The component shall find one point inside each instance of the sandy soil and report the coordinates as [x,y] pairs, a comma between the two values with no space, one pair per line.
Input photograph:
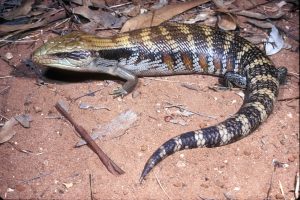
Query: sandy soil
[55,169]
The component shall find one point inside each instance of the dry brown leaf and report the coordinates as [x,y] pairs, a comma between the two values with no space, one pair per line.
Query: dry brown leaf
[24,120]
[46,19]
[219,3]
[154,18]
[256,15]
[115,128]
[22,10]
[259,23]
[6,132]
[9,28]
[96,17]
[95,3]
[226,22]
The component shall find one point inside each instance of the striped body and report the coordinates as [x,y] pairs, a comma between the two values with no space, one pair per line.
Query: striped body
[171,50]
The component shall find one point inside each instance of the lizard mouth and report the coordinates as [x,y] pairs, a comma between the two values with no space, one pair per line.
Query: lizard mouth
[53,61]
[60,60]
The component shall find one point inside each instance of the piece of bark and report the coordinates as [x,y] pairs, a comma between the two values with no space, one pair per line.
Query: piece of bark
[115,128]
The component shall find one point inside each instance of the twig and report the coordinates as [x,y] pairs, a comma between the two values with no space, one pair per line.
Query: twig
[19,149]
[227,196]
[2,116]
[91,191]
[37,177]
[54,117]
[196,113]
[108,163]
[60,23]
[281,190]
[294,74]
[2,77]
[159,183]
[120,5]
[297,186]
[203,198]
[271,184]
[171,81]
[276,165]
[289,98]
[7,87]
[18,41]
[87,94]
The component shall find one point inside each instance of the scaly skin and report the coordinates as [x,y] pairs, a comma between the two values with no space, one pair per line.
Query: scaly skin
[171,50]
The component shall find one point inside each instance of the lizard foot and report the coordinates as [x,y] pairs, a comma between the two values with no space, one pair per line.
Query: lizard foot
[119,92]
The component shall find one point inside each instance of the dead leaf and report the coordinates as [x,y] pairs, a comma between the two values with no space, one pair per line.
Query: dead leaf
[20,11]
[68,185]
[7,132]
[160,4]
[219,3]
[178,121]
[86,106]
[94,3]
[115,128]
[46,19]
[9,28]
[202,16]
[156,17]
[97,17]
[259,23]
[24,120]
[226,22]
[255,15]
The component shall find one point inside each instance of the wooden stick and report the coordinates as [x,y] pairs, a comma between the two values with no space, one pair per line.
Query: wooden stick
[108,163]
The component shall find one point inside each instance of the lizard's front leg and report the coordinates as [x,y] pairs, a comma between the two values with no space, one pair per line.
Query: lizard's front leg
[112,67]
[129,85]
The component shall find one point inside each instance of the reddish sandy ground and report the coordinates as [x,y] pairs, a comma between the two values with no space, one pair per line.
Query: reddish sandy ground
[55,169]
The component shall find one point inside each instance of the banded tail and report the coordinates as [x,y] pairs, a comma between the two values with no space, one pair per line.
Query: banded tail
[261,91]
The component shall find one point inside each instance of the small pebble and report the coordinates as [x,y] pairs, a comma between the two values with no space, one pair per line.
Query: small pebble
[20,188]
[219,183]
[247,153]
[61,191]
[236,188]
[68,185]
[204,185]
[291,158]
[143,147]
[168,118]
[136,94]
[202,125]
[290,115]
[37,109]
[279,196]
[8,56]
[179,184]
[180,164]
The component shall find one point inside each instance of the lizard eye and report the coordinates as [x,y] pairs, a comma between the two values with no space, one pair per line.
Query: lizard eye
[75,55]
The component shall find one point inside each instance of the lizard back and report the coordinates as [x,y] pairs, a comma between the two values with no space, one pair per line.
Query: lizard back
[177,49]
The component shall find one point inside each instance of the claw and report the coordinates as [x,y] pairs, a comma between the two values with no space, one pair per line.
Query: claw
[119,92]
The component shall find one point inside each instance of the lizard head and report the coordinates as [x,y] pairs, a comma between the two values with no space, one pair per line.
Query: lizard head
[73,51]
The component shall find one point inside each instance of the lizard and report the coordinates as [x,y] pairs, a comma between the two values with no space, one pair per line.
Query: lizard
[175,49]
